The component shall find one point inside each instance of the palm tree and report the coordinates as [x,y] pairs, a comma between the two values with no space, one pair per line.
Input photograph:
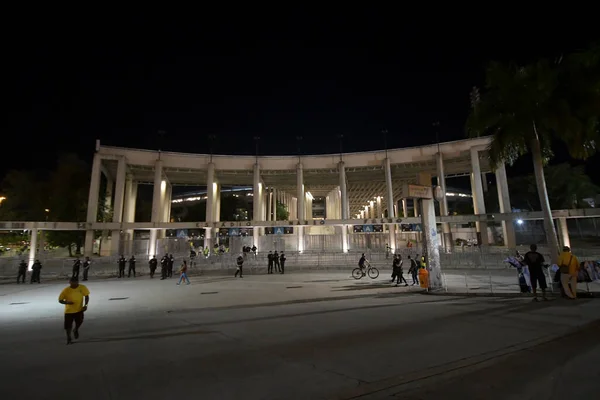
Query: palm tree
[526,108]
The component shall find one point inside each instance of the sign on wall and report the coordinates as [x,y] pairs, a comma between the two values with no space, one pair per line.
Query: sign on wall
[416,191]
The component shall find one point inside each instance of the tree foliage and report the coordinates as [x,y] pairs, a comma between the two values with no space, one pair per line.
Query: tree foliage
[542,102]
[64,193]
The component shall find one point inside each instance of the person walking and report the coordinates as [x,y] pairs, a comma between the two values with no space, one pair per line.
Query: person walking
[36,271]
[568,265]
[153,263]
[75,297]
[413,271]
[122,261]
[270,263]
[282,262]
[240,267]
[183,272]
[276,261]
[22,272]
[535,262]
[86,268]
[400,275]
[131,267]
[76,268]
[164,267]
[395,271]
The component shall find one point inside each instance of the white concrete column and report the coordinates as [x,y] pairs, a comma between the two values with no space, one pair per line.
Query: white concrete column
[345,246]
[343,191]
[156,206]
[416,207]
[301,196]
[275,201]
[309,210]
[92,209]
[389,188]
[269,205]
[119,205]
[441,181]
[404,208]
[371,209]
[129,212]
[166,202]
[217,214]
[211,200]
[508,227]
[257,205]
[430,237]
[379,212]
[392,237]
[563,232]
[32,247]
[328,206]
[478,200]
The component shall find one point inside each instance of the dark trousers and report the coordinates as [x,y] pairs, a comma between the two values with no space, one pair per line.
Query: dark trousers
[21,274]
[277,266]
[131,268]
[121,272]
[75,273]
[85,273]
[35,276]
[163,273]
[270,267]
[415,278]
[240,271]
[283,267]
[170,271]
[152,270]
[398,276]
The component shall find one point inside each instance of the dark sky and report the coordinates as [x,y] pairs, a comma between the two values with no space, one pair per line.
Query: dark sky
[123,80]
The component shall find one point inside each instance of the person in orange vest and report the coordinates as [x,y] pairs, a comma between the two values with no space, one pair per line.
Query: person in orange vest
[424,277]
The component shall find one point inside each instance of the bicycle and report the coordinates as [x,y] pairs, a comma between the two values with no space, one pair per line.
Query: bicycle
[372,272]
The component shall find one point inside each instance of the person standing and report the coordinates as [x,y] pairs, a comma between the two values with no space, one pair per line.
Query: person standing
[282,262]
[413,271]
[395,272]
[183,272]
[400,277]
[240,267]
[535,262]
[270,263]
[75,297]
[276,261]
[22,272]
[131,267]
[36,271]
[76,268]
[568,265]
[164,266]
[153,264]
[122,261]
[170,266]
[86,268]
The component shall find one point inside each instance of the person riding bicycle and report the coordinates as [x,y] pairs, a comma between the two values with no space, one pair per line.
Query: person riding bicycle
[362,262]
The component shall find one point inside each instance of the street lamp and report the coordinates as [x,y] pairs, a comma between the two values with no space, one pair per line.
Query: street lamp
[2,198]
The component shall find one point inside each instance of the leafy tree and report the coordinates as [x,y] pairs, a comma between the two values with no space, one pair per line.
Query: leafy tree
[525,108]
[282,212]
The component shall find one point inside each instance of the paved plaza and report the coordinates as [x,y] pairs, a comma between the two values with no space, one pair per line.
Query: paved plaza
[296,336]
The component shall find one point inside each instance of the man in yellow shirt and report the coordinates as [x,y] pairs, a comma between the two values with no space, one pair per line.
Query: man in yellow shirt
[73,298]
[568,262]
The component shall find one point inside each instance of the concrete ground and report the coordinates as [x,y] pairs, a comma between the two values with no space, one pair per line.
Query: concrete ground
[295,336]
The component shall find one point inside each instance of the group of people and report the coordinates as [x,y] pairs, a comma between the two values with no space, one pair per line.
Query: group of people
[413,270]
[397,268]
[276,261]
[568,270]
[36,270]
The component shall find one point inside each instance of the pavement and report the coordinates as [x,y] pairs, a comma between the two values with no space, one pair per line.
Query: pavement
[315,335]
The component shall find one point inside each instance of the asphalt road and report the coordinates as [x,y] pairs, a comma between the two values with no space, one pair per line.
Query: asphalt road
[300,336]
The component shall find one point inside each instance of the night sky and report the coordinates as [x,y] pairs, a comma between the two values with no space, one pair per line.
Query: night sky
[123,80]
